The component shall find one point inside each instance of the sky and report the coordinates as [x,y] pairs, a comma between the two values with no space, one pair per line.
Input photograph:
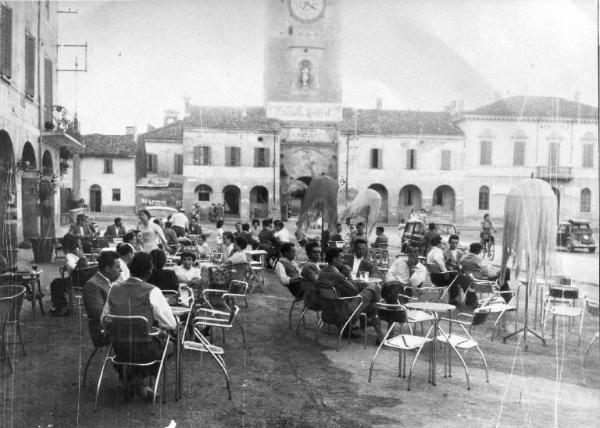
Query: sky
[145,56]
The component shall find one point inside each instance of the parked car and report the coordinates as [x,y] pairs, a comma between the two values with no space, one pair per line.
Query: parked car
[414,232]
[161,213]
[574,234]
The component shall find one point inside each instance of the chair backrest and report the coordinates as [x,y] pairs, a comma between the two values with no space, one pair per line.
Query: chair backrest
[563,292]
[592,307]
[238,271]
[310,291]
[443,279]
[482,286]
[171,296]
[428,294]
[125,330]
[391,312]
[327,292]
[13,295]
[79,276]
[238,287]
[479,316]
[234,311]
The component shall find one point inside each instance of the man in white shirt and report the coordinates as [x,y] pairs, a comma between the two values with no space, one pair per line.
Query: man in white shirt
[282,235]
[180,222]
[239,254]
[435,257]
[286,268]
[228,246]
[186,273]
[136,297]
[125,252]
[408,271]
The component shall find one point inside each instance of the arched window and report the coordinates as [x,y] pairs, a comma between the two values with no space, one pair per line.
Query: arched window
[585,202]
[203,192]
[484,198]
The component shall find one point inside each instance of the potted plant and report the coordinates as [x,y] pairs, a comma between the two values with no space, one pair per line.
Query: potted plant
[43,245]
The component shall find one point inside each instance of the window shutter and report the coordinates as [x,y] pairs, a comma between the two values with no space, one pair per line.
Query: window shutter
[446,158]
[48,90]
[408,156]
[257,156]
[6,41]
[197,155]
[207,155]
[588,155]
[227,156]
[380,158]
[29,65]
[237,156]
[267,156]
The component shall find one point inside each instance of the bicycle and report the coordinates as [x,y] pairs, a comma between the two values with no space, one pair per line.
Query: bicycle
[488,245]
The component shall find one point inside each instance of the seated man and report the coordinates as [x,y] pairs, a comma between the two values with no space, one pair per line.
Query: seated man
[82,231]
[239,251]
[247,235]
[165,279]
[186,273]
[228,245]
[381,240]
[95,292]
[136,297]
[287,269]
[480,268]
[115,230]
[330,275]
[407,271]
[134,238]
[359,262]
[435,257]
[171,235]
[125,257]
[452,255]
[74,262]
[311,269]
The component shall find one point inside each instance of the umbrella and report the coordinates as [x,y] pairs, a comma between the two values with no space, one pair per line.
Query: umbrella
[366,204]
[320,197]
[530,234]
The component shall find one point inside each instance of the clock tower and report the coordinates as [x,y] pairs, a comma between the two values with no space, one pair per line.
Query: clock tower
[302,79]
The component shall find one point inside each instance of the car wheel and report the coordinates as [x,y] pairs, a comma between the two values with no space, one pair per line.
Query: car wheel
[570,247]
[593,250]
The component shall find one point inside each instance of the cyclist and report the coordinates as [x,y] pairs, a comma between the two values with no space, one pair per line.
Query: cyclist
[486,231]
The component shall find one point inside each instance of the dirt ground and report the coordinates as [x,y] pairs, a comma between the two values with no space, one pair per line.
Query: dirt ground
[285,380]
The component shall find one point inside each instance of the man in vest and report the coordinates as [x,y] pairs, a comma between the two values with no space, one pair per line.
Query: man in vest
[136,297]
[287,269]
[311,269]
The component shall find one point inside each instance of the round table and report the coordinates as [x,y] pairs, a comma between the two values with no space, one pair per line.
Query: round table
[434,308]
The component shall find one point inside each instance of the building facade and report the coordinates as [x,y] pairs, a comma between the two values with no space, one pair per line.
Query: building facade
[33,129]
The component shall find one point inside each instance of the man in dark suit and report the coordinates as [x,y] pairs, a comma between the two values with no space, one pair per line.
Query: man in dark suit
[82,231]
[115,230]
[95,292]
[359,262]
[331,276]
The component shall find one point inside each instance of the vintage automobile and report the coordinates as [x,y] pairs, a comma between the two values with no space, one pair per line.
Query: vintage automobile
[415,230]
[161,213]
[574,234]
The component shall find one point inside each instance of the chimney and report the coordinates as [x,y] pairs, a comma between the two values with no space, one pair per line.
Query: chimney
[186,102]
[577,95]
[131,130]
[170,117]
[379,105]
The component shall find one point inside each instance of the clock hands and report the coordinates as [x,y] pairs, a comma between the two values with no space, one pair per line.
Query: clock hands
[307,3]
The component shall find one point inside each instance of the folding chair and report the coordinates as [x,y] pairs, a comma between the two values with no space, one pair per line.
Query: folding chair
[332,302]
[11,301]
[465,342]
[592,309]
[563,302]
[397,314]
[203,345]
[125,333]
[226,318]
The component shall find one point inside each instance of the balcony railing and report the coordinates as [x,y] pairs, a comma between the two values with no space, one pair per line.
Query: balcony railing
[561,173]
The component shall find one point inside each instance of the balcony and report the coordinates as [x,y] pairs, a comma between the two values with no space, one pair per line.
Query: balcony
[555,173]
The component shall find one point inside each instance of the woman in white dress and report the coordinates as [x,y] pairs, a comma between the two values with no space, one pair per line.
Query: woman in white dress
[152,234]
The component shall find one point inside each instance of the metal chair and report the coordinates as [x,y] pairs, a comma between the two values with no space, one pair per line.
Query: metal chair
[201,344]
[310,296]
[59,252]
[124,333]
[208,316]
[593,310]
[563,302]
[11,301]
[465,342]
[396,314]
[79,277]
[89,361]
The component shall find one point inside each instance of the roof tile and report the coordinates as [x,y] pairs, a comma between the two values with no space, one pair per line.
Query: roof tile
[108,145]
[525,106]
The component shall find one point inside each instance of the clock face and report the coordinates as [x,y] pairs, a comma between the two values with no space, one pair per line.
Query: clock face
[307,10]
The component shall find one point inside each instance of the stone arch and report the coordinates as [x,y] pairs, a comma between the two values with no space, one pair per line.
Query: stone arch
[444,200]
[231,200]
[259,202]
[95,198]
[29,211]
[383,211]
[8,199]
[410,198]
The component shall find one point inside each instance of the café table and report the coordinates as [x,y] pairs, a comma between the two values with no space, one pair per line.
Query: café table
[32,283]
[178,313]
[435,308]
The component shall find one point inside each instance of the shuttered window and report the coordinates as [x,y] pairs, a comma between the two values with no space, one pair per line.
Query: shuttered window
[553,153]
[29,66]
[48,90]
[588,155]
[585,201]
[108,166]
[411,159]
[232,156]
[6,41]
[152,163]
[178,168]
[261,157]
[202,155]
[376,160]
[446,155]
[116,195]
[519,154]
[486,153]
[484,198]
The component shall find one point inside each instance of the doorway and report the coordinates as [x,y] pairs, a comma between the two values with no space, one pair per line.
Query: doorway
[96,198]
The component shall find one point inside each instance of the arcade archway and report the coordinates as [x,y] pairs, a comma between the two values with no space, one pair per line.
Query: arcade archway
[29,210]
[444,201]
[297,190]
[259,202]
[383,210]
[8,200]
[410,200]
[231,200]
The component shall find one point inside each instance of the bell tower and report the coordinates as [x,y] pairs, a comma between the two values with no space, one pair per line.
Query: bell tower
[302,79]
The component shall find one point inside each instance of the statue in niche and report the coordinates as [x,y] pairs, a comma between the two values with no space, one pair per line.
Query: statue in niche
[305,77]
